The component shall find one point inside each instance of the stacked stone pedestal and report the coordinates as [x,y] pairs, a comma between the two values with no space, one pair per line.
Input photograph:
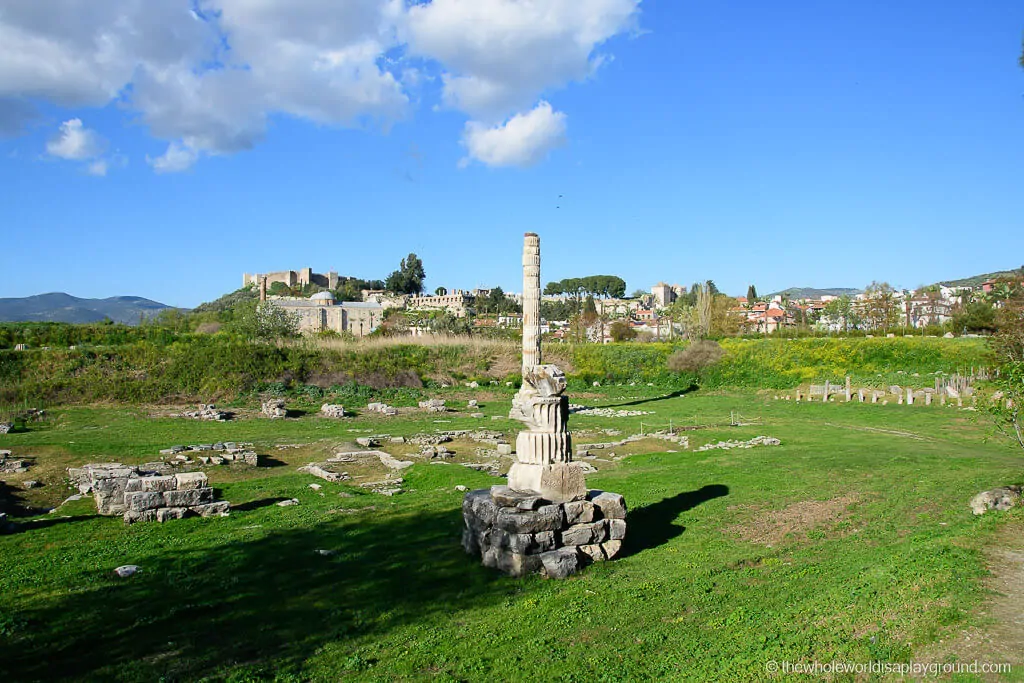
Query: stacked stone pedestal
[521,533]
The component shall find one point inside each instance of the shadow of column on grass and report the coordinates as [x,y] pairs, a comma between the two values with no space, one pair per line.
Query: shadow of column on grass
[675,394]
[653,525]
[208,607]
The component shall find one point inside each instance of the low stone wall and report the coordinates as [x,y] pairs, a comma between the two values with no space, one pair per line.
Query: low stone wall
[145,497]
[521,533]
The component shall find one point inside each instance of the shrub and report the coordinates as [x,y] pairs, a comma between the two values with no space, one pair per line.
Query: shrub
[695,357]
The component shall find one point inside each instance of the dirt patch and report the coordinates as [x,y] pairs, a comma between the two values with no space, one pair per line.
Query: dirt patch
[771,527]
[1001,639]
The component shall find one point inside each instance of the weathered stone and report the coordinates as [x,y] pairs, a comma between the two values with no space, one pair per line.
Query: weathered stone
[191,480]
[609,505]
[545,518]
[506,497]
[165,514]
[187,498]
[165,483]
[479,509]
[611,548]
[367,442]
[139,501]
[585,534]
[504,448]
[332,410]
[211,509]
[999,499]
[318,470]
[560,563]
[594,552]
[616,529]
[274,408]
[392,463]
[559,482]
[579,511]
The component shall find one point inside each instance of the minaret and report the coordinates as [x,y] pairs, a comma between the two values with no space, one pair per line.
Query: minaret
[531,301]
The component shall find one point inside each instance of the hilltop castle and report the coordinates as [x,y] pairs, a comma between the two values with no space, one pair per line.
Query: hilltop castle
[293,278]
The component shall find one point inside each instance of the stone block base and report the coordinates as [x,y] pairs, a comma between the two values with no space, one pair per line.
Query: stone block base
[558,483]
[521,533]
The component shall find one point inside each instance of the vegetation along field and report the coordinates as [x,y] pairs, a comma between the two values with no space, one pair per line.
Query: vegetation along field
[852,540]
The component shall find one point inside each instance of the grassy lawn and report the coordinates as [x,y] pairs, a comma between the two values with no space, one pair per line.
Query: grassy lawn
[851,541]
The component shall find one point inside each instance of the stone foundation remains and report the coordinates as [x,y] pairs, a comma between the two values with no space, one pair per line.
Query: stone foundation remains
[207,411]
[142,496]
[521,533]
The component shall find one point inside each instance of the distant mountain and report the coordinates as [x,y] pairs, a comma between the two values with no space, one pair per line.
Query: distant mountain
[812,293]
[64,308]
[976,280]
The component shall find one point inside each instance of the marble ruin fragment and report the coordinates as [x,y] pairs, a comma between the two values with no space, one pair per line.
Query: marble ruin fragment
[545,520]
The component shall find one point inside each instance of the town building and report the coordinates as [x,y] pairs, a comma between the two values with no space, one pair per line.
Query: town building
[320,313]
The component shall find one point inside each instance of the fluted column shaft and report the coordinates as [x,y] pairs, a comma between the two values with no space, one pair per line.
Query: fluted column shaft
[531,301]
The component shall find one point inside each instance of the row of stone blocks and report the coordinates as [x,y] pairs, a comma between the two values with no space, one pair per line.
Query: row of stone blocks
[123,490]
[521,533]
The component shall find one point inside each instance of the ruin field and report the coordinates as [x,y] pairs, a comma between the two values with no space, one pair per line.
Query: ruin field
[851,540]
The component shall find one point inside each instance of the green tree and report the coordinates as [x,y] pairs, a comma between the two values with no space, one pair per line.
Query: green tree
[408,279]
[751,293]
[441,291]
[263,321]
[975,316]
[1008,348]
[621,331]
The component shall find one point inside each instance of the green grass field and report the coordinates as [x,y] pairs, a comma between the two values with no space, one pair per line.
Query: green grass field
[851,541]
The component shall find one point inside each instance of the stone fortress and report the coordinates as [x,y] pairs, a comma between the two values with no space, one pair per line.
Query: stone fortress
[292,278]
[545,520]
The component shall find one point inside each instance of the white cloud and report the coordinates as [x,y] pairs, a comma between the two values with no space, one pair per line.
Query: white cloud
[97,168]
[208,76]
[501,55]
[177,158]
[75,142]
[523,140]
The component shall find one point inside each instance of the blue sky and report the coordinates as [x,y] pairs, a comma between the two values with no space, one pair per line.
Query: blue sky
[785,144]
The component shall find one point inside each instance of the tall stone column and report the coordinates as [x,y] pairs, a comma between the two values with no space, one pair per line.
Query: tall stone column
[531,301]
[544,449]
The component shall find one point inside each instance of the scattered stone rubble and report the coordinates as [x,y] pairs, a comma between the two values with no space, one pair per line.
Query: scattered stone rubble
[436,452]
[728,445]
[393,463]
[382,408]
[333,411]
[999,499]
[429,439]
[605,412]
[274,408]
[387,487]
[145,496]
[227,451]
[206,411]
[324,470]
[433,405]
[520,533]
[9,465]
[6,427]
